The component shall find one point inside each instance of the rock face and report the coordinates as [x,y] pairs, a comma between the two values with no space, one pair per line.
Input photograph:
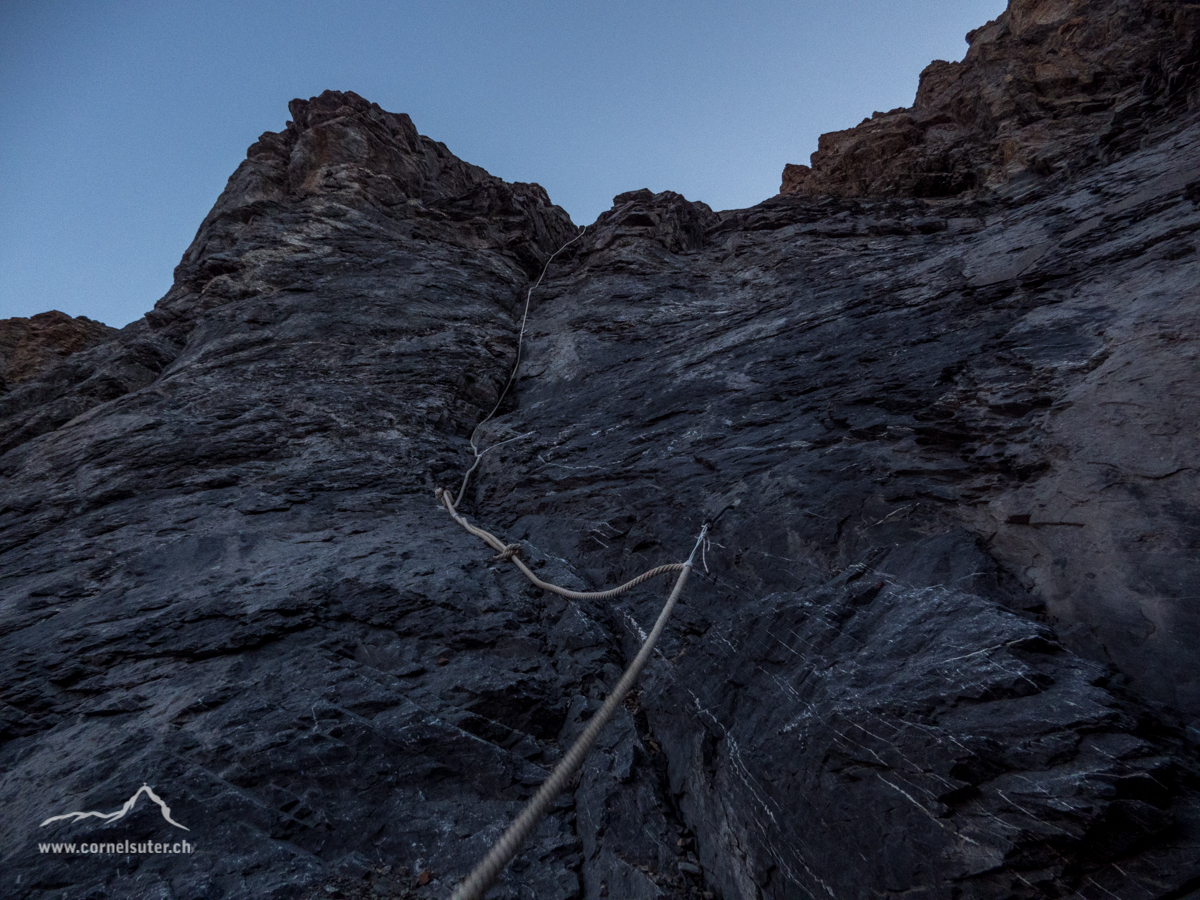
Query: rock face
[1048,88]
[27,346]
[941,644]
[933,421]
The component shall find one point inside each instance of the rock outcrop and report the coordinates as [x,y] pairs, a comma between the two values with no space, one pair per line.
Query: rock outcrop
[28,346]
[941,645]
[1050,87]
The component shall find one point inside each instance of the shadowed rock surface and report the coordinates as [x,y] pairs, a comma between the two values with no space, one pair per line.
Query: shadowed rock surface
[942,644]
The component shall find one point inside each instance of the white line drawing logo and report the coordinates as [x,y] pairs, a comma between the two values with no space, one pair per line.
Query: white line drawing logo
[120,813]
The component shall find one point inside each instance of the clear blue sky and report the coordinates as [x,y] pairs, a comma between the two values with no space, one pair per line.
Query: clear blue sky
[121,121]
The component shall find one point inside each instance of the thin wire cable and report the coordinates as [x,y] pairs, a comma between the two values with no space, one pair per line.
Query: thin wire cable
[486,873]
[513,374]
[510,551]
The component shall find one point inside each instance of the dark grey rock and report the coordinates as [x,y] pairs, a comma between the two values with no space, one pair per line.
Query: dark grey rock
[918,427]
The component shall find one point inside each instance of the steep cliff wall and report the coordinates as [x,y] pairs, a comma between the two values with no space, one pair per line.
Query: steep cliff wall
[942,644]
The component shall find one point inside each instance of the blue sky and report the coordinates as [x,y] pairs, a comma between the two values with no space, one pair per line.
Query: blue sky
[120,122]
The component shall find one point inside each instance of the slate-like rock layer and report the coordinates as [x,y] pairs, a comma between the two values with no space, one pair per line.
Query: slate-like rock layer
[941,646]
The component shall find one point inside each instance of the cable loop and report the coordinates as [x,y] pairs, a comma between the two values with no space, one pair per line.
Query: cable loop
[509,552]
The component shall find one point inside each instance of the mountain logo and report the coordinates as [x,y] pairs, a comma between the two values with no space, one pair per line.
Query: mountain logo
[120,813]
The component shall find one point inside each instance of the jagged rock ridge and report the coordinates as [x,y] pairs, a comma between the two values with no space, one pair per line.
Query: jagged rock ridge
[952,448]
[28,346]
[1050,86]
